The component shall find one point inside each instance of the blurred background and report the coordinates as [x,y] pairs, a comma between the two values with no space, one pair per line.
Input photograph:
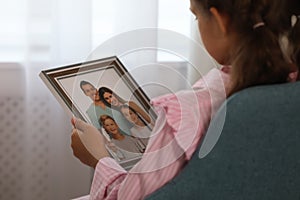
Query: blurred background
[36,161]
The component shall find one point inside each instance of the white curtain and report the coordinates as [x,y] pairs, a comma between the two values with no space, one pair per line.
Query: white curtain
[37,158]
[35,154]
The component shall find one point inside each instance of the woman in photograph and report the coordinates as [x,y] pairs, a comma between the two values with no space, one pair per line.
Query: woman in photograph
[115,101]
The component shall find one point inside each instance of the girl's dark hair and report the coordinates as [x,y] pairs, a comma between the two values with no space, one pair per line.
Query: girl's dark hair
[102,90]
[259,57]
[294,37]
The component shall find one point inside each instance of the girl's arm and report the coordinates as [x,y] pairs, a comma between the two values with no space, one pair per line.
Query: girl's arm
[182,120]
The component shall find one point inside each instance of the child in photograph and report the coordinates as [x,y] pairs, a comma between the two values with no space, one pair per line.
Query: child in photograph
[121,140]
[140,128]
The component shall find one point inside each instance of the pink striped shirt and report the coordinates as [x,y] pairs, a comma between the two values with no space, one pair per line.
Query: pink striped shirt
[182,120]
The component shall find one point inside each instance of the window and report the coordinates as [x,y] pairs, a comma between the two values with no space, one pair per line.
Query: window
[33,29]
[12,32]
[110,18]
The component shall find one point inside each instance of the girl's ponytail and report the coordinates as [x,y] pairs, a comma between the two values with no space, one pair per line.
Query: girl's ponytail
[260,59]
[294,40]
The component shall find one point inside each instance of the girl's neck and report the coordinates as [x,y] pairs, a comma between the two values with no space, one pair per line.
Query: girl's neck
[119,137]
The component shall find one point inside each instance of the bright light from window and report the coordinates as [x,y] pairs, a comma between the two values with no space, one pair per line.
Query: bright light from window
[103,16]
[12,31]
[21,29]
[174,15]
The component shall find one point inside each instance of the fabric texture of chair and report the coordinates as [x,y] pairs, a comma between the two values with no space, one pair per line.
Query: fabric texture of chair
[257,155]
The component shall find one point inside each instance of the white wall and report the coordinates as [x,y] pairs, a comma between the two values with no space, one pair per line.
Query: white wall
[36,161]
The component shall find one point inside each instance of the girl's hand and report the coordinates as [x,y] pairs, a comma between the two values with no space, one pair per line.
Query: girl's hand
[87,143]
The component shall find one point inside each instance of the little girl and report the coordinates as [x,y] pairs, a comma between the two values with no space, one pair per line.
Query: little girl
[140,129]
[258,39]
[123,141]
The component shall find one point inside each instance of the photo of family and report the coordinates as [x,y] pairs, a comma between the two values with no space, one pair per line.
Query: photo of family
[104,94]
[124,123]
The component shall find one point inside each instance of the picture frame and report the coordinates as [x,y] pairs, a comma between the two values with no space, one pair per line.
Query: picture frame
[102,92]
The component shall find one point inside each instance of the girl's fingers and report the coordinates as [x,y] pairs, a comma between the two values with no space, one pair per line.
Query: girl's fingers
[79,124]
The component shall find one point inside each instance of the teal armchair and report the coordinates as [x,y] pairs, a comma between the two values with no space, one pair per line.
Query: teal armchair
[257,156]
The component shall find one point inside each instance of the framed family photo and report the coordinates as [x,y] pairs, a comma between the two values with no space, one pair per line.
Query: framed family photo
[104,94]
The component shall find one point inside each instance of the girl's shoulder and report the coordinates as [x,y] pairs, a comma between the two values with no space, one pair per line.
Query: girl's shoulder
[215,79]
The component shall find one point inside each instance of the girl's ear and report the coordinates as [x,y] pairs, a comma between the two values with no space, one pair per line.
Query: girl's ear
[221,19]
